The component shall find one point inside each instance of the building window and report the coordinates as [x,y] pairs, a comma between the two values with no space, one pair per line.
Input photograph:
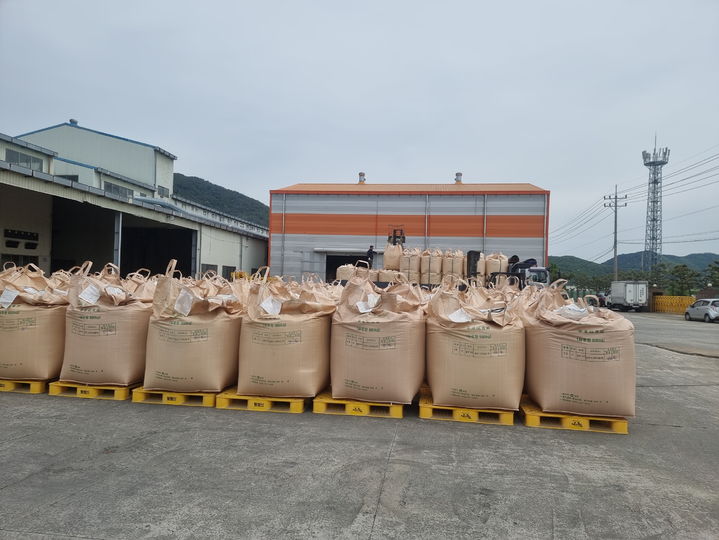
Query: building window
[117,190]
[163,191]
[208,267]
[227,271]
[24,160]
[71,177]
[19,260]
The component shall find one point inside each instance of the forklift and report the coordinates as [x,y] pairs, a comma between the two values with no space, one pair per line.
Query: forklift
[527,272]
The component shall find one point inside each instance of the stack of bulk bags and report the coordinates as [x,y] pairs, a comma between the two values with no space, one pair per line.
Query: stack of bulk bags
[141,285]
[392,256]
[388,276]
[193,337]
[481,269]
[285,340]
[458,264]
[580,359]
[431,267]
[378,342]
[496,262]
[345,272]
[475,349]
[453,263]
[32,324]
[105,330]
[410,264]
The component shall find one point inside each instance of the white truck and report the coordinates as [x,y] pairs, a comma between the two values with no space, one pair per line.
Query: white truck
[626,295]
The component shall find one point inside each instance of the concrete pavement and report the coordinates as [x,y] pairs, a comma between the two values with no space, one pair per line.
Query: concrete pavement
[73,468]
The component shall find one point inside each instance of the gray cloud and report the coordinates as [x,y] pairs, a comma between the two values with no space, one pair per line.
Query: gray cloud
[256,96]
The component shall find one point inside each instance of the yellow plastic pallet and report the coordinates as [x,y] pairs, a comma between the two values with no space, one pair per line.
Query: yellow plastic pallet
[229,399]
[324,403]
[429,411]
[161,397]
[535,417]
[91,391]
[23,386]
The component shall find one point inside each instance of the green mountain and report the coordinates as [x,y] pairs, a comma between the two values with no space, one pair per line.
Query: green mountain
[223,199]
[633,261]
[627,261]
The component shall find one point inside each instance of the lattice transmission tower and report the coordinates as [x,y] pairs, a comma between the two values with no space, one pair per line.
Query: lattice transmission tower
[654,161]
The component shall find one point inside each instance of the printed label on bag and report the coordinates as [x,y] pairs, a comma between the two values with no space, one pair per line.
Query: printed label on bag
[459,316]
[358,341]
[270,337]
[272,306]
[183,335]
[494,350]
[7,297]
[264,381]
[94,329]
[183,302]
[18,325]
[568,397]
[90,294]
[115,291]
[31,290]
[356,385]
[463,393]
[591,354]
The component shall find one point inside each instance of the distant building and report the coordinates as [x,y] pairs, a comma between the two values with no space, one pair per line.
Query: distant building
[69,194]
[317,227]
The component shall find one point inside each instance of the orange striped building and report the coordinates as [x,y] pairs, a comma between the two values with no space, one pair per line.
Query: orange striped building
[316,227]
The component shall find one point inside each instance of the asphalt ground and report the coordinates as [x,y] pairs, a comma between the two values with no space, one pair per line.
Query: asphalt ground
[76,468]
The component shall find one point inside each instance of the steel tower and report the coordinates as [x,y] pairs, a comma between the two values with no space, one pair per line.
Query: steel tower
[654,161]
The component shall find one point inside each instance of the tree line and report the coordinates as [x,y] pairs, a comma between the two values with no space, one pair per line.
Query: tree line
[676,280]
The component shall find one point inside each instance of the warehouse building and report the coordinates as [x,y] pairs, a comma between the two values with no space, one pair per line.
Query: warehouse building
[318,227]
[69,194]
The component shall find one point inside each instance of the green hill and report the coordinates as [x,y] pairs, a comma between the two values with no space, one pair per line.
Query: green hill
[627,261]
[223,199]
[633,261]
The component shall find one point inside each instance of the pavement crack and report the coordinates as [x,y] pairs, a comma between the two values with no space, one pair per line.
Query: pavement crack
[679,351]
[672,385]
[384,477]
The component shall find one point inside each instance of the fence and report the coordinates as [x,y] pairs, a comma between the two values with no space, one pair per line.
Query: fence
[672,304]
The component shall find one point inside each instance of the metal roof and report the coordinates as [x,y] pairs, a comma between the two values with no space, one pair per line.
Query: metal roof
[415,189]
[27,145]
[68,124]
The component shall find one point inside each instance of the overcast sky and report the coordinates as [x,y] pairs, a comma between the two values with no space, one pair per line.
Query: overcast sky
[260,95]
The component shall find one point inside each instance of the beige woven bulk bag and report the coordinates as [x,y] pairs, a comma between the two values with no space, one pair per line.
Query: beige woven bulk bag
[345,272]
[392,256]
[378,343]
[32,325]
[475,349]
[285,340]
[105,332]
[193,339]
[580,360]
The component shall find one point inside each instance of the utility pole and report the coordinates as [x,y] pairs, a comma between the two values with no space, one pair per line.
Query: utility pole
[615,204]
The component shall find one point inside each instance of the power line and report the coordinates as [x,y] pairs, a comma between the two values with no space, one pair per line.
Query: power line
[582,231]
[598,211]
[602,255]
[680,241]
